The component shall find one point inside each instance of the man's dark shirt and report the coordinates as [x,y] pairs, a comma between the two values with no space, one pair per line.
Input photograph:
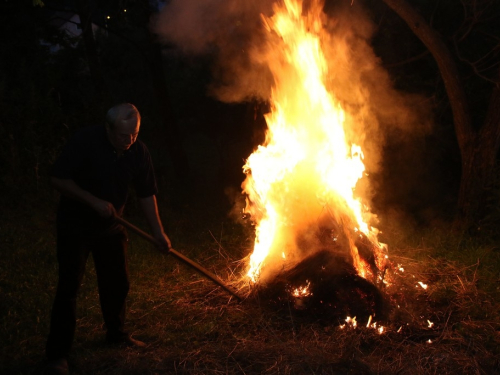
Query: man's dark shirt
[92,163]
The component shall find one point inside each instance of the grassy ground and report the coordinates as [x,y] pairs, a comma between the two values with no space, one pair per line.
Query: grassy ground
[193,327]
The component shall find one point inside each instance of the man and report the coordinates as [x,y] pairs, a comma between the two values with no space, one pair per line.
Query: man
[93,175]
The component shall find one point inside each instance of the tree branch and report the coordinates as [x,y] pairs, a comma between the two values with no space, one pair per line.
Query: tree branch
[409,60]
[447,67]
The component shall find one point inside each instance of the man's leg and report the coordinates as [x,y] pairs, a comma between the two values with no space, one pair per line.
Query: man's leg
[72,256]
[112,278]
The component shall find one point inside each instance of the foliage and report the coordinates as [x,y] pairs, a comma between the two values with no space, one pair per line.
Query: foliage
[464,46]
[43,99]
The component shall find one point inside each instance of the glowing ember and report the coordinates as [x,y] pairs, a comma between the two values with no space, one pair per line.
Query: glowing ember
[424,286]
[351,321]
[380,329]
[302,291]
[369,321]
[309,165]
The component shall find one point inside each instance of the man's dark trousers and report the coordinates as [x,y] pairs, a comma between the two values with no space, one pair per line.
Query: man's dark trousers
[109,254]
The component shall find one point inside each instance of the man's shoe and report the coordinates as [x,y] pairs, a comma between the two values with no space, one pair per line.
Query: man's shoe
[124,339]
[57,367]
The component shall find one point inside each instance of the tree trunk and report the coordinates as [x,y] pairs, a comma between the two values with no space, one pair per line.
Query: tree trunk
[479,162]
[478,149]
[478,165]
[446,64]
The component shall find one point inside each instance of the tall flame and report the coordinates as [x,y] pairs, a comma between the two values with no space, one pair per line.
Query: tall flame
[307,166]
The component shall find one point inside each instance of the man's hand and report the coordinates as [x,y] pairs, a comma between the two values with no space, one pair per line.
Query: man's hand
[164,244]
[71,189]
[103,208]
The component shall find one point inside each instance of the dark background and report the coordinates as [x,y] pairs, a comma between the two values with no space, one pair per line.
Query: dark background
[46,93]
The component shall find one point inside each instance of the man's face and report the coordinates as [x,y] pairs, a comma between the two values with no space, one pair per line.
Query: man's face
[124,133]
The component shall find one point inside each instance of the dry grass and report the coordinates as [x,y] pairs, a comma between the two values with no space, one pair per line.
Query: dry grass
[192,326]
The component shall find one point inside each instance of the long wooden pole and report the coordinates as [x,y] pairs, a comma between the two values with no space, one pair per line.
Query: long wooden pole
[179,256]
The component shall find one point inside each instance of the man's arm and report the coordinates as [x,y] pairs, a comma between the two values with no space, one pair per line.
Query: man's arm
[150,209]
[69,188]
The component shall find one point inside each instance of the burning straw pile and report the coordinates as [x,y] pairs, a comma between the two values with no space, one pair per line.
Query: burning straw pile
[326,286]
[315,247]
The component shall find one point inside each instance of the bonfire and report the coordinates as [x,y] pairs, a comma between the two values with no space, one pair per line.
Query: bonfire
[315,240]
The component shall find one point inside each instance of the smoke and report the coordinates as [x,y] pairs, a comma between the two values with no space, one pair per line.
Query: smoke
[229,30]
[375,109]
[233,32]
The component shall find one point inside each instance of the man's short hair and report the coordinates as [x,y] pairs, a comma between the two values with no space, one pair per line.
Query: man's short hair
[120,112]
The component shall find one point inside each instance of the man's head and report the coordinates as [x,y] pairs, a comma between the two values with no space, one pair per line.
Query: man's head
[122,126]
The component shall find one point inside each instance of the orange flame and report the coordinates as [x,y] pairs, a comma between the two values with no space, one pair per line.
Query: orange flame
[307,165]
